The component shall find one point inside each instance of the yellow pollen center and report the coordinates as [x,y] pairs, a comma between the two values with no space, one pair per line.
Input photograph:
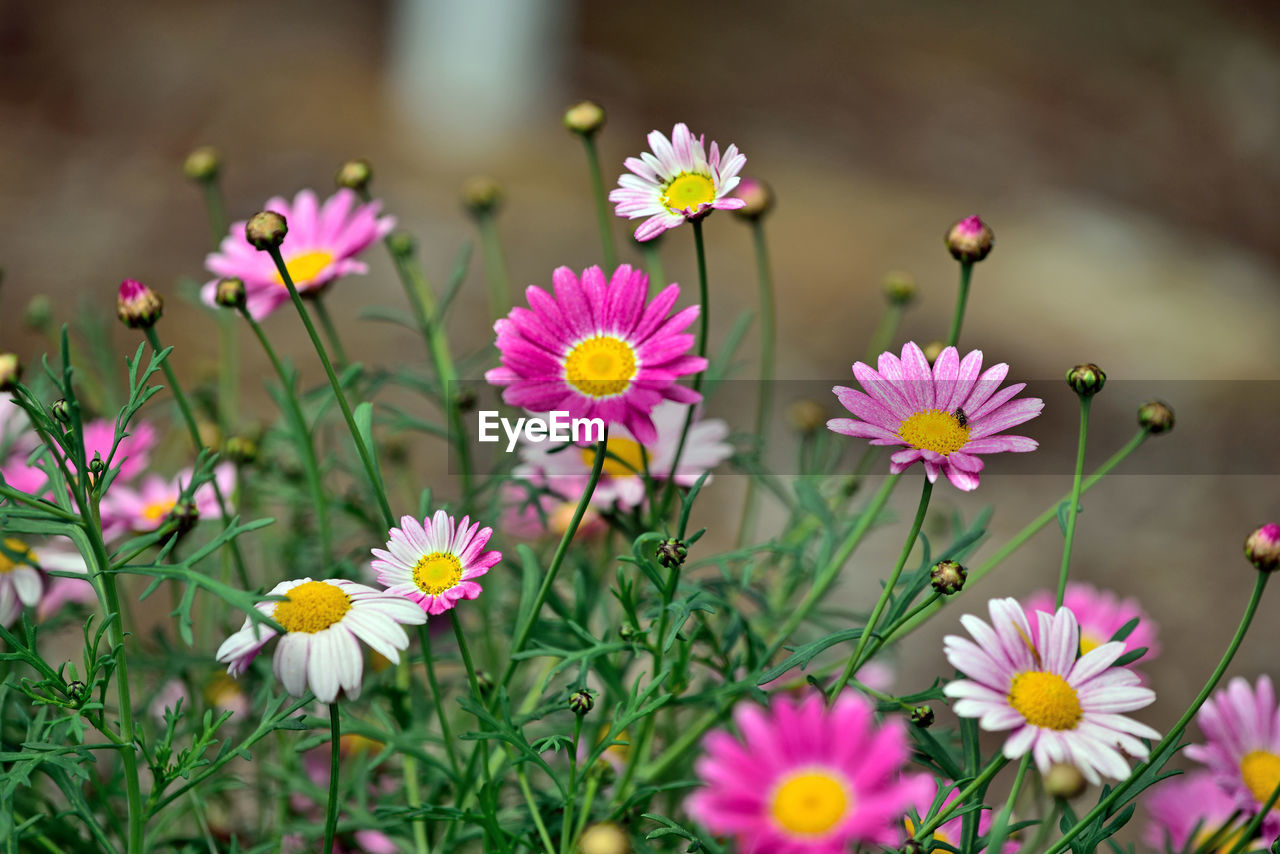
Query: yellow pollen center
[601,367]
[629,454]
[305,267]
[688,191]
[157,510]
[810,803]
[1089,642]
[1045,700]
[15,547]
[938,835]
[312,606]
[934,430]
[437,572]
[1260,770]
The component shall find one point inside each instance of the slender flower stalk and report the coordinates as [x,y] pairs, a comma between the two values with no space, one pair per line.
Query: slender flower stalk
[1171,738]
[768,338]
[331,810]
[855,661]
[608,248]
[1073,509]
[193,430]
[978,782]
[203,168]
[704,296]
[365,453]
[331,332]
[1000,827]
[962,299]
[652,252]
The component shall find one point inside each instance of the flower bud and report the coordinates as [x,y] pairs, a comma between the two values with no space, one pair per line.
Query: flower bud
[807,416]
[899,288]
[581,702]
[265,230]
[922,716]
[10,371]
[1275,846]
[481,195]
[671,553]
[1155,417]
[38,315]
[60,411]
[242,450]
[948,577]
[629,632]
[604,837]
[77,692]
[96,465]
[913,846]
[1086,380]
[933,350]
[484,681]
[202,164]
[466,400]
[354,175]
[1064,781]
[1262,548]
[759,198]
[185,514]
[230,293]
[970,240]
[585,117]
[402,245]
[137,306]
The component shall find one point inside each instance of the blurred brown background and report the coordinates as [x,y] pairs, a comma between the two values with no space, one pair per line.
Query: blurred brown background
[1127,156]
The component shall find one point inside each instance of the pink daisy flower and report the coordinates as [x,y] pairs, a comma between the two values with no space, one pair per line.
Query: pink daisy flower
[1189,810]
[1241,725]
[621,480]
[946,416]
[321,246]
[950,832]
[679,181]
[802,779]
[596,350]
[434,563]
[539,508]
[133,454]
[145,508]
[1060,708]
[22,477]
[1100,614]
[20,582]
[324,622]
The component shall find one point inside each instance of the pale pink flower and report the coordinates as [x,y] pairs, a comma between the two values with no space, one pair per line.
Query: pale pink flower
[435,562]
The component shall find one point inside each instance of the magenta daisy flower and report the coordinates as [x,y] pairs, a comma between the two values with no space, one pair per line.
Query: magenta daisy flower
[803,779]
[1059,707]
[436,562]
[323,622]
[597,350]
[946,416]
[1241,725]
[321,246]
[1190,810]
[678,181]
[1100,614]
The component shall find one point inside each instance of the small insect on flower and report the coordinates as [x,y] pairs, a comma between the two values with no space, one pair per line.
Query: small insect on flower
[961,418]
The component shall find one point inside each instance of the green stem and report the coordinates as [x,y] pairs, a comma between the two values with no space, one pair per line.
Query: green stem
[331,811]
[607,247]
[302,438]
[216,210]
[366,456]
[330,332]
[1000,827]
[437,698]
[976,783]
[704,317]
[495,266]
[1103,806]
[412,788]
[764,399]
[886,329]
[855,661]
[966,273]
[566,825]
[228,363]
[1032,528]
[193,430]
[533,809]
[1074,509]
[653,264]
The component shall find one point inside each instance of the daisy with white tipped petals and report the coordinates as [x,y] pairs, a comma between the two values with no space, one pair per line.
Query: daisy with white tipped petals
[324,622]
[434,563]
[1059,707]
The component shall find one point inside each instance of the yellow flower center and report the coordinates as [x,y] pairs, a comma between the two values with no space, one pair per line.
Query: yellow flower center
[601,367]
[688,191]
[312,606]
[157,510]
[437,572]
[938,835]
[934,430]
[1090,642]
[810,803]
[629,454]
[305,266]
[1045,700]
[14,547]
[1260,770]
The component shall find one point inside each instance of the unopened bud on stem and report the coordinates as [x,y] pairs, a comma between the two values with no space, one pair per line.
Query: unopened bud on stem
[1086,380]
[1155,417]
[137,306]
[265,230]
[354,175]
[202,165]
[585,118]
[1262,548]
[970,240]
